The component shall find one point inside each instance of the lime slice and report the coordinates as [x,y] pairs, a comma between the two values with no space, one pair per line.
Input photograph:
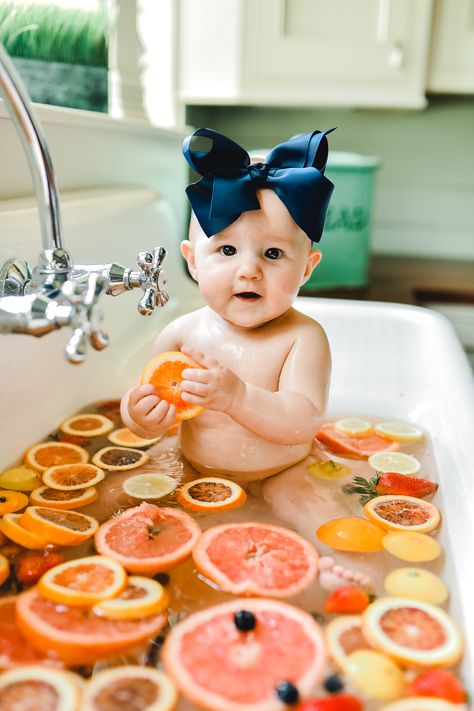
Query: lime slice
[20,479]
[329,469]
[149,486]
[394,462]
[399,431]
[413,547]
[353,426]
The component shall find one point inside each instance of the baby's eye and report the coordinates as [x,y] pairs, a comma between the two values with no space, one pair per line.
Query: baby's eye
[228,250]
[274,253]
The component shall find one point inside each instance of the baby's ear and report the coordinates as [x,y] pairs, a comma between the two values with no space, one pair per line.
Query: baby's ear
[313,259]
[187,250]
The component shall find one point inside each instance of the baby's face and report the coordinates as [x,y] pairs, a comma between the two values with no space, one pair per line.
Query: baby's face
[250,273]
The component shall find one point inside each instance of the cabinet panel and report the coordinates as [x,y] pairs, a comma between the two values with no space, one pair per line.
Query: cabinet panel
[452,51]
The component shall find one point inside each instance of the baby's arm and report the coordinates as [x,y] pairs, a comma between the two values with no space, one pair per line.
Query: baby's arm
[293,414]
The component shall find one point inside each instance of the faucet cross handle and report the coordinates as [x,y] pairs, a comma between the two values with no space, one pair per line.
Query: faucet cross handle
[153,280]
[86,316]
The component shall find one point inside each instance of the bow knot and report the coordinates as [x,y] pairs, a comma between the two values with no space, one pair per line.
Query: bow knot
[294,170]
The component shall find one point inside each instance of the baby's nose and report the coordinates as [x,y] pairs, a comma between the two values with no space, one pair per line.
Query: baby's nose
[249,267]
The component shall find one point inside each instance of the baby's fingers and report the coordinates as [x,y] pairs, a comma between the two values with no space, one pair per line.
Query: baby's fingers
[190,386]
[138,393]
[199,357]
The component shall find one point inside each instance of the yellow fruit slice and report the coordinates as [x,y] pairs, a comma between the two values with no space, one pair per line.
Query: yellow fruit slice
[375,675]
[142,597]
[413,547]
[396,512]
[352,534]
[164,373]
[11,501]
[353,426]
[11,527]
[328,469]
[49,454]
[87,425]
[399,431]
[344,635]
[56,499]
[20,479]
[149,486]
[141,688]
[124,437]
[70,477]
[65,528]
[84,581]
[421,703]
[416,583]
[119,458]
[398,462]
[4,569]
[40,688]
[412,632]
[211,494]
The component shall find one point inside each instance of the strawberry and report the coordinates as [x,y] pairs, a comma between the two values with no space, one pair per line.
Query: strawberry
[389,483]
[440,683]
[347,600]
[338,702]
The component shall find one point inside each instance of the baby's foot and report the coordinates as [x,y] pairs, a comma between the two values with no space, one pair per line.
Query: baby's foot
[333,576]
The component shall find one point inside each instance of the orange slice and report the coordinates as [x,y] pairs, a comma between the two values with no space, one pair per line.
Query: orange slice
[396,512]
[49,454]
[69,477]
[56,499]
[412,546]
[412,632]
[256,559]
[119,458]
[211,494]
[351,534]
[87,425]
[36,687]
[4,569]
[84,581]
[360,446]
[344,635]
[12,528]
[11,501]
[124,437]
[164,373]
[142,688]
[65,528]
[15,649]
[141,598]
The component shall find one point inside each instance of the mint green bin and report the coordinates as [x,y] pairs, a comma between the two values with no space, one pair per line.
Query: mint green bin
[345,244]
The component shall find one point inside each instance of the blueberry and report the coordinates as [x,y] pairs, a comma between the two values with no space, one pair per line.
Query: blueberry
[287,692]
[333,684]
[162,578]
[152,655]
[245,620]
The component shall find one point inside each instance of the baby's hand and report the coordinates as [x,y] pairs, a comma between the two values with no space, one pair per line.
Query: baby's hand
[149,412]
[213,387]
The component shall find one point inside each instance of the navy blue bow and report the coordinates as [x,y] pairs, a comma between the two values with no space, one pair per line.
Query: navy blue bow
[294,170]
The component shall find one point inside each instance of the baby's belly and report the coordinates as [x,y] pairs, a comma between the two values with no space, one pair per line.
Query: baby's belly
[215,444]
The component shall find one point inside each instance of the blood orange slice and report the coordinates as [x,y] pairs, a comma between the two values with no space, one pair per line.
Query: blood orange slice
[402,513]
[147,539]
[34,687]
[69,477]
[84,581]
[49,454]
[164,373]
[132,687]
[344,635]
[87,424]
[119,458]
[76,634]
[361,446]
[232,657]
[65,528]
[412,632]
[256,559]
[211,494]
[15,649]
[56,499]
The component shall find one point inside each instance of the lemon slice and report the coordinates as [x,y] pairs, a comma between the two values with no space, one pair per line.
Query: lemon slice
[353,426]
[399,431]
[416,583]
[413,547]
[149,486]
[375,674]
[394,462]
[20,479]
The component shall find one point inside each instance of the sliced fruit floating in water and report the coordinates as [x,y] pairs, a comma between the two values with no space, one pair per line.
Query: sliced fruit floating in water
[119,458]
[352,534]
[418,584]
[147,539]
[361,446]
[124,437]
[353,426]
[29,567]
[149,486]
[337,702]
[412,632]
[164,373]
[412,546]
[344,635]
[389,483]
[421,703]
[4,569]
[211,494]
[347,600]
[83,581]
[402,513]
[440,683]
[87,424]
[69,477]
[256,559]
[15,649]
[399,431]
[264,642]
[65,528]
[20,479]
[141,598]
[11,501]
[12,528]
[49,454]
[36,687]
[57,499]
[128,688]
[76,634]
[328,469]
[397,462]
[375,675]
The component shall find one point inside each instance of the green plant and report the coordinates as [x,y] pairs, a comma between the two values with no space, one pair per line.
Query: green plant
[54,34]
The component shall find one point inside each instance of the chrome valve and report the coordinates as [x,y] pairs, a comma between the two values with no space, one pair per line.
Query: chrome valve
[85,318]
[152,280]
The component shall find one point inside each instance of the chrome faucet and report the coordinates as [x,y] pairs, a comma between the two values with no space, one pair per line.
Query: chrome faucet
[57,292]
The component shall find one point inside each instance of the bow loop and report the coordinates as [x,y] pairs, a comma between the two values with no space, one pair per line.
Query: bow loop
[259,173]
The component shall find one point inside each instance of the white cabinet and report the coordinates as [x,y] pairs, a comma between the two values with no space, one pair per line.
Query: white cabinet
[304,52]
[452,49]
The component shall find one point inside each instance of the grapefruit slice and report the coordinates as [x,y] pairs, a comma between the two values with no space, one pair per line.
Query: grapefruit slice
[344,635]
[124,437]
[49,454]
[64,528]
[412,632]
[164,373]
[211,493]
[361,446]
[421,703]
[221,667]
[77,634]
[56,499]
[15,649]
[147,539]
[256,559]
[87,424]
[116,459]
[141,598]
[34,687]
[69,477]
[129,687]
[402,513]
[11,501]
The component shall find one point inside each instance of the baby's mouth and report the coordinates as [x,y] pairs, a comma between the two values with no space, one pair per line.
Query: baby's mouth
[247,296]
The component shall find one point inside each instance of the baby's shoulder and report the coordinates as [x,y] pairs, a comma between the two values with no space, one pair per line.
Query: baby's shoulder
[305,324]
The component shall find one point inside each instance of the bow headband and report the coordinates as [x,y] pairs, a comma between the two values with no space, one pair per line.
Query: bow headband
[294,170]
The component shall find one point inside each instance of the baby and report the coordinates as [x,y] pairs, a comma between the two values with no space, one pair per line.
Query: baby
[264,385]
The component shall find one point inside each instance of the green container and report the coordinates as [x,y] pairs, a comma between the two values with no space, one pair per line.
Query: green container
[345,244]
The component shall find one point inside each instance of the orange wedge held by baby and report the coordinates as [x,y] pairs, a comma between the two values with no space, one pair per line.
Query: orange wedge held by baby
[164,372]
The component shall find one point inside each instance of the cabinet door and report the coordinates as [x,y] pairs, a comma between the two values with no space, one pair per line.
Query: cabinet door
[346,53]
[452,52]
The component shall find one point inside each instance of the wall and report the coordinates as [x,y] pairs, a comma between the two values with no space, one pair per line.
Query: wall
[424,199]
